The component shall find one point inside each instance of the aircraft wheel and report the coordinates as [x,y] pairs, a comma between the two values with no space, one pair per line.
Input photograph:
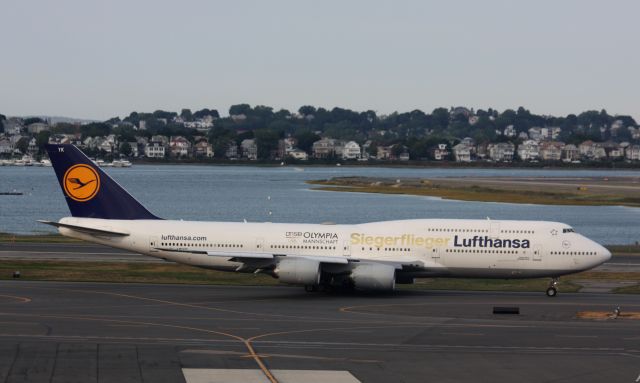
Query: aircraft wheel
[552,292]
[310,288]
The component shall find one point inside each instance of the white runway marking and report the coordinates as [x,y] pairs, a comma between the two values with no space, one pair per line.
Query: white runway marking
[204,375]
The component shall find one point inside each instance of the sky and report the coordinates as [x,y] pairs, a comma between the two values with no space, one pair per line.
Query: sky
[100,59]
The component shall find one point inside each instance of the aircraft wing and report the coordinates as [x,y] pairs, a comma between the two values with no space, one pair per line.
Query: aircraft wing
[248,256]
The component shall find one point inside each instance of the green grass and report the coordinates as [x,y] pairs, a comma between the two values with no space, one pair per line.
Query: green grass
[133,272]
[477,193]
[635,289]
[463,284]
[169,273]
[36,238]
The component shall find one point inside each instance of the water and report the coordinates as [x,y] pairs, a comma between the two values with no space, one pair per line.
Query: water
[279,194]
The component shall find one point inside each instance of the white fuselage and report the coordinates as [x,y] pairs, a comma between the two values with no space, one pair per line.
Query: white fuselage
[423,248]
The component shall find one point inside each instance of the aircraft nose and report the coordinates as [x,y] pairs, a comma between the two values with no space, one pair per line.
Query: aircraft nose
[605,254]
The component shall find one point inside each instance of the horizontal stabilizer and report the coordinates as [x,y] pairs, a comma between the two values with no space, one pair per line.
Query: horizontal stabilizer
[84,229]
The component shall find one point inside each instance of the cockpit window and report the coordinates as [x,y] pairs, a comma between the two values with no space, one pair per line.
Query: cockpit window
[568,230]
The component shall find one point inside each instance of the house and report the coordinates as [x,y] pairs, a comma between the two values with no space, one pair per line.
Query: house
[632,153]
[528,150]
[37,127]
[535,133]
[286,146]
[613,149]
[298,154]
[501,152]
[351,151]
[325,148]
[203,149]
[232,151]
[179,147]
[551,150]
[384,152]
[440,152]
[510,131]
[105,145]
[33,146]
[6,146]
[570,153]
[249,149]
[592,150]
[13,126]
[404,154]
[462,152]
[154,149]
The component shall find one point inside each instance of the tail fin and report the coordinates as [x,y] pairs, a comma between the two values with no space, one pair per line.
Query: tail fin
[90,192]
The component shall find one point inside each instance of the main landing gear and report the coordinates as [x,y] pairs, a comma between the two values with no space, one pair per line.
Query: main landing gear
[552,290]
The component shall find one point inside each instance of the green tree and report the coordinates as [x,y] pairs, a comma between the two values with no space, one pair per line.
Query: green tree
[307,110]
[186,115]
[440,117]
[306,138]
[267,141]
[22,145]
[236,110]
[125,149]
[42,139]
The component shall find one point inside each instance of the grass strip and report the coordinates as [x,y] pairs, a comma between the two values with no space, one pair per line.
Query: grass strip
[477,193]
[170,273]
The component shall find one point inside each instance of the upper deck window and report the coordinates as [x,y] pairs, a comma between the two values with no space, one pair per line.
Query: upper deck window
[568,230]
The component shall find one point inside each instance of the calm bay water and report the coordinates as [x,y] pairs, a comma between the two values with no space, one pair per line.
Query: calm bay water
[279,194]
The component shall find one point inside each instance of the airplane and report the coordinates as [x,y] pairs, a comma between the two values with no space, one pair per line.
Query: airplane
[367,256]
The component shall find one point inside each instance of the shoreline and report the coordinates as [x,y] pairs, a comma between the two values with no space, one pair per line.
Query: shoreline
[579,191]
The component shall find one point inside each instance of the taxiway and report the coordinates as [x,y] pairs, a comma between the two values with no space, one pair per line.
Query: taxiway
[97,332]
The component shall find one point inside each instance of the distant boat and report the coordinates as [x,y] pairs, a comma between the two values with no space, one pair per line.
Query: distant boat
[121,163]
[45,162]
[103,164]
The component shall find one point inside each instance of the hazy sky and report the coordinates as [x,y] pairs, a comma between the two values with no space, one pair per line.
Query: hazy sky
[99,59]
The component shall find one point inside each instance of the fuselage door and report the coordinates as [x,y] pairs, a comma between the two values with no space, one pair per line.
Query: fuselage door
[153,244]
[346,248]
[494,229]
[260,244]
[537,253]
[435,253]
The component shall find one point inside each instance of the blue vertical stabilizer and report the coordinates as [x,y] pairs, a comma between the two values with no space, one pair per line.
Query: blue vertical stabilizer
[89,191]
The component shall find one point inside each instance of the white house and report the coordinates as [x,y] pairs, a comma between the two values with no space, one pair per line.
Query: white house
[462,152]
[440,152]
[551,150]
[351,151]
[501,152]
[528,150]
[154,149]
[632,153]
[298,154]
[249,149]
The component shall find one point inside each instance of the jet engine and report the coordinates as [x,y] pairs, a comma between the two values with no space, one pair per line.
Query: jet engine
[298,271]
[374,276]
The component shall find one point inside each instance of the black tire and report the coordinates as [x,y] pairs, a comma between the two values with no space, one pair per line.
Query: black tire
[551,292]
[310,288]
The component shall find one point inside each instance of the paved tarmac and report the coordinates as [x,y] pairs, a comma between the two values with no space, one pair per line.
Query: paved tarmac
[98,332]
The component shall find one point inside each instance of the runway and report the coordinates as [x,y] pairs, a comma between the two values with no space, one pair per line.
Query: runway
[90,332]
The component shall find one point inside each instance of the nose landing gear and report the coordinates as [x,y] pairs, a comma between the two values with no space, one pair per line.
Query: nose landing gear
[552,290]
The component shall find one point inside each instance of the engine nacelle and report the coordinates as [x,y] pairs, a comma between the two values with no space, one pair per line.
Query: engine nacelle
[298,271]
[374,276]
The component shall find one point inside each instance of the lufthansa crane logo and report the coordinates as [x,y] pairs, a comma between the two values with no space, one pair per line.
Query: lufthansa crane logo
[81,182]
